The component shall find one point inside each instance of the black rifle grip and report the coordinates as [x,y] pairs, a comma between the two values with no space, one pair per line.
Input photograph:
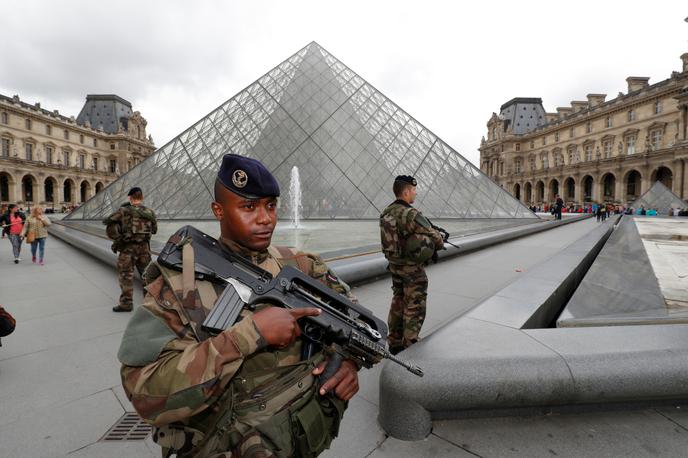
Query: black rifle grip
[332,367]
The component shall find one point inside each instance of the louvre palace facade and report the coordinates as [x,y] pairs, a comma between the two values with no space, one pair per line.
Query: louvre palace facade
[595,150]
[53,160]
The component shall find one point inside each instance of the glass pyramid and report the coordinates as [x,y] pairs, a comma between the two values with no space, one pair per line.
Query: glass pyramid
[347,139]
[660,198]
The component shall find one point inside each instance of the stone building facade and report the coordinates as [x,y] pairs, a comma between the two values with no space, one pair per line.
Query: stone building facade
[595,150]
[53,160]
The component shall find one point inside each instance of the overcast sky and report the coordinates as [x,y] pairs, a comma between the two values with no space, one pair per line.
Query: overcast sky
[449,64]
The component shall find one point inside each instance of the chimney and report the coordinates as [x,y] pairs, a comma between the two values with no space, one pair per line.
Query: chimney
[564,112]
[56,112]
[578,105]
[684,59]
[637,82]
[596,99]
[37,105]
[549,117]
[15,98]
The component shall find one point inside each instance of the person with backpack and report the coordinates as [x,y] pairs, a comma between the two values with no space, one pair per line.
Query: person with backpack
[131,228]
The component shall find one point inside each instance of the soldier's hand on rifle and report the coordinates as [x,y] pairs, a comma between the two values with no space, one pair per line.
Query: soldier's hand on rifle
[344,382]
[278,325]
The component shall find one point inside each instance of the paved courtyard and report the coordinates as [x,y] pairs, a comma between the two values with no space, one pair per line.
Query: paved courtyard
[61,392]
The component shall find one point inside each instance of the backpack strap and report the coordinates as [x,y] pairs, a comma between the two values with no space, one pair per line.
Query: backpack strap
[291,257]
[189,312]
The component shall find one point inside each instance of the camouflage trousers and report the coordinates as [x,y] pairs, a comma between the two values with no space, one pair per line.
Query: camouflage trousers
[132,255]
[407,312]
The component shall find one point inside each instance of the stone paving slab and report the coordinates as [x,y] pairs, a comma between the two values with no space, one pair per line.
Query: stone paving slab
[63,428]
[641,433]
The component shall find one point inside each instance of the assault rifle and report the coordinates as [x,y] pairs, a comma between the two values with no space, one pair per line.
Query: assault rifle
[351,329]
[445,234]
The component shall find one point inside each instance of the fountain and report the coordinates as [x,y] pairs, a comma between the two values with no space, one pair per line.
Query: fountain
[295,198]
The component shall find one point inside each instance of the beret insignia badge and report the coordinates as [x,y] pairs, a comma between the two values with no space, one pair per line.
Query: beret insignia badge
[239,178]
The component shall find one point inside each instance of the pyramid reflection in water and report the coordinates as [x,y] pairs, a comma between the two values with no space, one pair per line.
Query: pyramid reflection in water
[347,139]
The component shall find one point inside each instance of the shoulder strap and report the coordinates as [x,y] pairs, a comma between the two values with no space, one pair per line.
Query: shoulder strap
[291,257]
[189,314]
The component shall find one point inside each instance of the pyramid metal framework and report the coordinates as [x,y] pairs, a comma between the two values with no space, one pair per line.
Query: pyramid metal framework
[348,140]
[660,198]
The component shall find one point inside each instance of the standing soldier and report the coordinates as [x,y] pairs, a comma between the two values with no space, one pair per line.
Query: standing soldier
[131,228]
[247,391]
[408,242]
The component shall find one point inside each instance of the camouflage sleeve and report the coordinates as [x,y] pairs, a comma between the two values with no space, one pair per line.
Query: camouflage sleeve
[419,224]
[324,274]
[116,217]
[170,376]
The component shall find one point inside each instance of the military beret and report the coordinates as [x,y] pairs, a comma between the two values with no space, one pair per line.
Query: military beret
[406,179]
[134,190]
[247,177]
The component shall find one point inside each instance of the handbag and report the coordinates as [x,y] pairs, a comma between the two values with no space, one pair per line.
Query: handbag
[30,236]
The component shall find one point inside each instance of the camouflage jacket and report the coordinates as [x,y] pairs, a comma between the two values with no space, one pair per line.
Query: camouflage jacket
[174,374]
[398,223]
[131,224]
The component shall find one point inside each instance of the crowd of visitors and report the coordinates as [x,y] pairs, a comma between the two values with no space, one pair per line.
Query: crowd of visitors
[602,211]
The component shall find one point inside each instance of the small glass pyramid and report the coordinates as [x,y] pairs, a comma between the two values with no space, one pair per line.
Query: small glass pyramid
[660,198]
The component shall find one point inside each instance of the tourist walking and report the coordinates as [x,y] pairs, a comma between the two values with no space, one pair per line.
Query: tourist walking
[408,242]
[36,232]
[13,221]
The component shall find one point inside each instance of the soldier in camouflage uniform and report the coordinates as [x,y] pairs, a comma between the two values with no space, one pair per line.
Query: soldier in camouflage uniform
[245,392]
[408,243]
[131,228]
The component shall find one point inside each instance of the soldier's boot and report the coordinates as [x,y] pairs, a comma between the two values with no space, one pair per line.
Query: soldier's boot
[118,308]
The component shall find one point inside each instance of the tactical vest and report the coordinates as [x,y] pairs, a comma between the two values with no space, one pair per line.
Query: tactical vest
[136,225]
[393,233]
[273,394]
